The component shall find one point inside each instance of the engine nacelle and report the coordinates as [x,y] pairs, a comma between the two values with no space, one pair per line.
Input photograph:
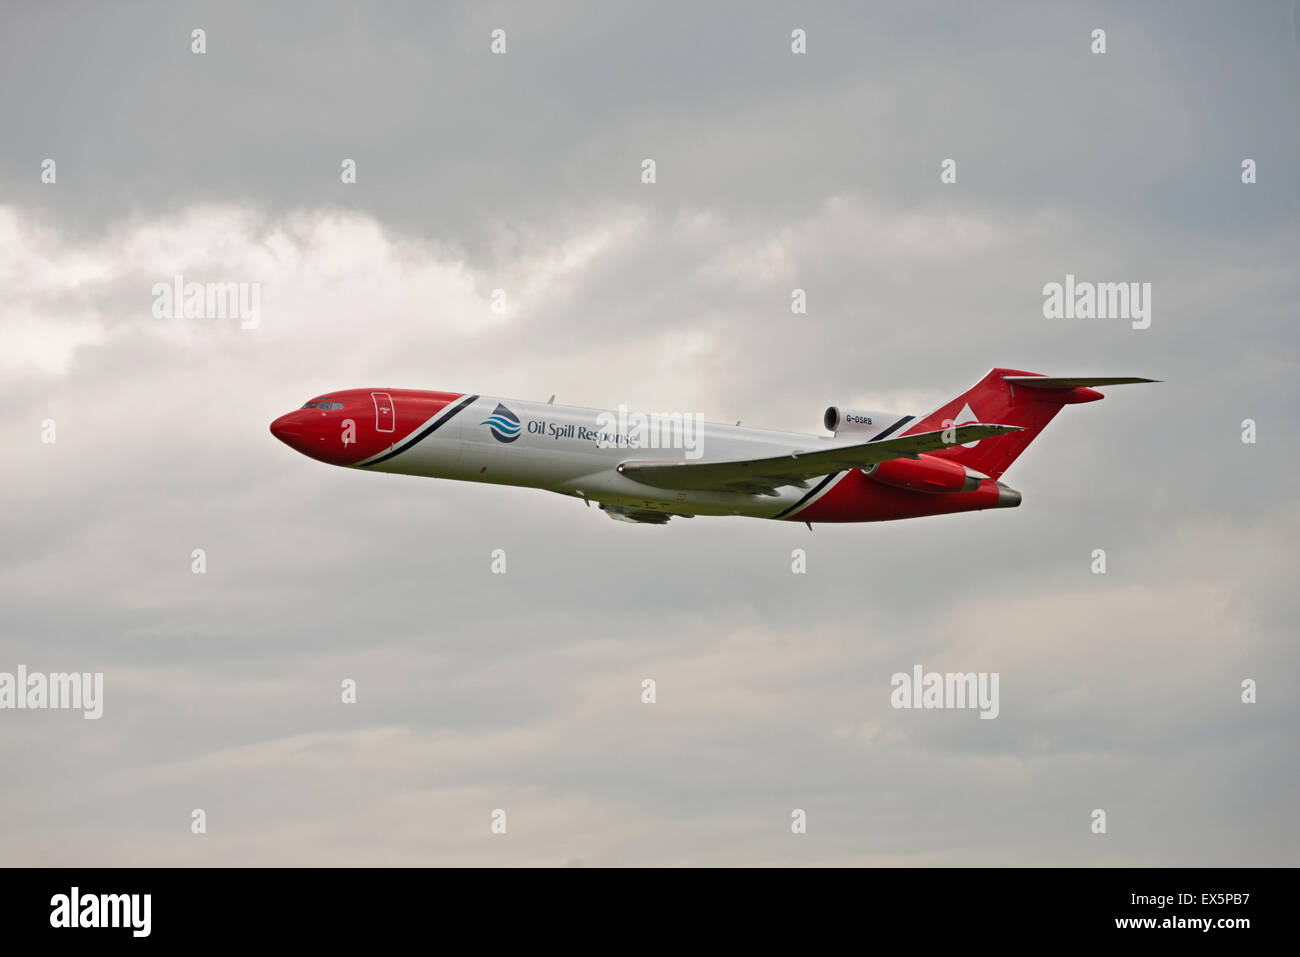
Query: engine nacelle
[926,474]
[839,420]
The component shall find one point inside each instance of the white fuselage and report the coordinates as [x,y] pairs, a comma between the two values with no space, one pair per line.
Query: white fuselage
[558,448]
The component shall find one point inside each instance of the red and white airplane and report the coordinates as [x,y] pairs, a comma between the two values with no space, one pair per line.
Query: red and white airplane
[875,466]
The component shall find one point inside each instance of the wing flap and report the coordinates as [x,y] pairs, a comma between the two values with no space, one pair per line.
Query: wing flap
[643,516]
[765,476]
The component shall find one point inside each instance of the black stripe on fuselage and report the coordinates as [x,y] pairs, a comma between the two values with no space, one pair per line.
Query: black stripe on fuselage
[468,400]
[813,491]
[822,484]
[893,428]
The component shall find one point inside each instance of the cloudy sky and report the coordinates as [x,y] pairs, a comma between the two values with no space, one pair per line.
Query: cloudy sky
[522,172]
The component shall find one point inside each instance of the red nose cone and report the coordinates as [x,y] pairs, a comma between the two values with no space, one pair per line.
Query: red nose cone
[287,429]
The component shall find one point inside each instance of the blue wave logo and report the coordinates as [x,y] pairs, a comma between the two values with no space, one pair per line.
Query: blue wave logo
[503,424]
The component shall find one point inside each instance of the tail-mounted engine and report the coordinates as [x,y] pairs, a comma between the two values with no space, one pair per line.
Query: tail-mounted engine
[846,421]
[926,474]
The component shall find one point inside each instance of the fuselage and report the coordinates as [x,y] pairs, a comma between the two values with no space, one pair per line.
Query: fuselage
[577,451]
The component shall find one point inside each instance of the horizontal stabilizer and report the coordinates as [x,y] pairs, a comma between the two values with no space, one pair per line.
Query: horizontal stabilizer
[1052,382]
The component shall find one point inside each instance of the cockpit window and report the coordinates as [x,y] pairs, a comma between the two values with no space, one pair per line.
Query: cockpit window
[310,405]
[323,404]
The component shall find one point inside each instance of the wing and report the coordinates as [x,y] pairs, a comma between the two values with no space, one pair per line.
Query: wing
[765,476]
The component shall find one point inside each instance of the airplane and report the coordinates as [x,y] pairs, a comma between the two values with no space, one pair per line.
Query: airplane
[874,466]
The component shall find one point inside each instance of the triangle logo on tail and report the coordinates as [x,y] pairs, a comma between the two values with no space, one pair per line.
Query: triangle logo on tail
[965,417]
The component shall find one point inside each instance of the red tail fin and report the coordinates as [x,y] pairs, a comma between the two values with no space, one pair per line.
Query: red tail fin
[995,401]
